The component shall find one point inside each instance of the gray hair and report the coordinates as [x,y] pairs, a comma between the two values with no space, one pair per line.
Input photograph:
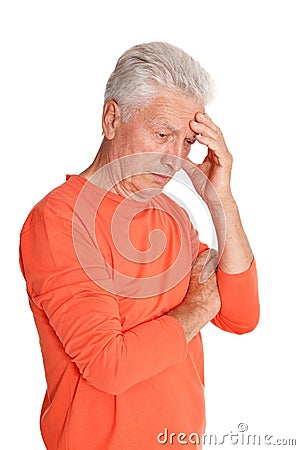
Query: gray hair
[142,69]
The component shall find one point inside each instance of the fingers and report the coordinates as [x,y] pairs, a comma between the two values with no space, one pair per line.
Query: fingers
[209,134]
[201,259]
[206,264]
[204,118]
[204,125]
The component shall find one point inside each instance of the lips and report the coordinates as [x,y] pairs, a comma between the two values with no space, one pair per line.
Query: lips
[161,177]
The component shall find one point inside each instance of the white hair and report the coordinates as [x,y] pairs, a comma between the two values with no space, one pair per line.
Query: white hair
[142,69]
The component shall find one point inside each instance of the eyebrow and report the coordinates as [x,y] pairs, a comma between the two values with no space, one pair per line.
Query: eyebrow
[167,125]
[172,129]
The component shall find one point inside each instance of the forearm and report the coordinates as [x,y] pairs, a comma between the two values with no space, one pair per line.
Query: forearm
[137,355]
[202,300]
[192,318]
[236,254]
[236,275]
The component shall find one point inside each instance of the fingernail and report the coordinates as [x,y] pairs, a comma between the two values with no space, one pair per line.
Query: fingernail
[201,115]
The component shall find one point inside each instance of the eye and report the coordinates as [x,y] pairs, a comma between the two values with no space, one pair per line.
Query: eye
[190,141]
[162,136]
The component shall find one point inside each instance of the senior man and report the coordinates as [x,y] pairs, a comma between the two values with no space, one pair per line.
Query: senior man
[115,272]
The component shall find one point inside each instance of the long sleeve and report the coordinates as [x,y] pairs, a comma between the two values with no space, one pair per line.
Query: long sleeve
[239,311]
[86,318]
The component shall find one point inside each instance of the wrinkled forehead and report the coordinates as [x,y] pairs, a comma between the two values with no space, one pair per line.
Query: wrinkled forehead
[172,110]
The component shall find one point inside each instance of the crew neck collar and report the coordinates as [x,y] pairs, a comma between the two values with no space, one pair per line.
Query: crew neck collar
[108,194]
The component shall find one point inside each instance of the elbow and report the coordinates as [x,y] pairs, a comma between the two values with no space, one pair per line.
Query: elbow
[249,325]
[244,317]
[237,325]
[247,328]
[253,324]
[253,317]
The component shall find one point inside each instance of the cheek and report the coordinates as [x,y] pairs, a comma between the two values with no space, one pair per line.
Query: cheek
[141,144]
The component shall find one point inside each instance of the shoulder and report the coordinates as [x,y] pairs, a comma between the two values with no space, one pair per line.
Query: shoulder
[58,203]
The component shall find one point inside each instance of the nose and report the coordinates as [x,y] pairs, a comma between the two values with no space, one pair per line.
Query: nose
[173,162]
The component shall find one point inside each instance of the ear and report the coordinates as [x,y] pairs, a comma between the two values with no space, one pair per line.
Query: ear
[110,119]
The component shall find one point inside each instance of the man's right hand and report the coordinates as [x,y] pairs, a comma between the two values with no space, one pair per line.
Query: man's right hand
[202,300]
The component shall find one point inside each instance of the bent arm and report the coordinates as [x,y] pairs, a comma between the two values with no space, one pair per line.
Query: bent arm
[86,317]
[236,274]
[239,311]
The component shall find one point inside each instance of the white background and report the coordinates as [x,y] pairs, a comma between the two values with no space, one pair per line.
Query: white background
[55,59]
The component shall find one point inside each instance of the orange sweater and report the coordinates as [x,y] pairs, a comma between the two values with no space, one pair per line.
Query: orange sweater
[118,370]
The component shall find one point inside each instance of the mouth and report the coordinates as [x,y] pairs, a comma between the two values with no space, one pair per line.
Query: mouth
[160,177]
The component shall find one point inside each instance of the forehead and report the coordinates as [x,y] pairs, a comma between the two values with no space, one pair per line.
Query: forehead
[172,108]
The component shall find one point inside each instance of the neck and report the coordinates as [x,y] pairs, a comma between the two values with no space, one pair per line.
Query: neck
[100,160]
[102,178]
[111,178]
